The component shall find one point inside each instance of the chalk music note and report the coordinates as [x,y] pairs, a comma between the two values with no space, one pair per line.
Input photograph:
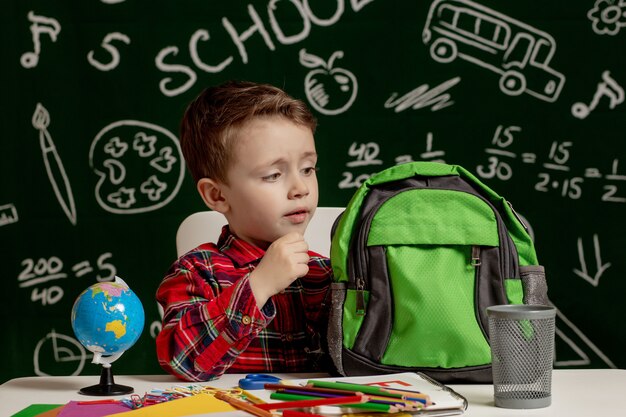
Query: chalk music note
[40,24]
[54,165]
[610,88]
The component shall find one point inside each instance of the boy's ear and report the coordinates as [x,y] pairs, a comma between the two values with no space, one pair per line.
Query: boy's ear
[211,192]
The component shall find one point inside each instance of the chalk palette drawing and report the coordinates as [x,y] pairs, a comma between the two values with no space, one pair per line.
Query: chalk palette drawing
[54,166]
[65,352]
[111,49]
[420,97]
[139,165]
[607,87]
[607,16]
[330,90]
[583,272]
[581,346]
[8,214]
[39,25]
[518,52]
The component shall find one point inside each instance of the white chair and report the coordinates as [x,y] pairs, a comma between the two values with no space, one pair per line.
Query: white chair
[206,226]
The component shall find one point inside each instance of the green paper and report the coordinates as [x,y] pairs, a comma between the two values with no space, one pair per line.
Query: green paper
[35,409]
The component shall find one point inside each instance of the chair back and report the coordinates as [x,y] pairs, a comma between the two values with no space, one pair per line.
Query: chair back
[206,226]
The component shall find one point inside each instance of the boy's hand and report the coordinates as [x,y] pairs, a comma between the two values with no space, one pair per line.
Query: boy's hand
[285,260]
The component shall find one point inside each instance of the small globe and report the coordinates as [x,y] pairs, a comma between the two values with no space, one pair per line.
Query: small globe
[107,318]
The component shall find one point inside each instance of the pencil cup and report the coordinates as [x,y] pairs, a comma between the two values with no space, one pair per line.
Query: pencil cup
[522,354]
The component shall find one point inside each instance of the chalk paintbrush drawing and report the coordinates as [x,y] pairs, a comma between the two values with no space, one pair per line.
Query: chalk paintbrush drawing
[54,166]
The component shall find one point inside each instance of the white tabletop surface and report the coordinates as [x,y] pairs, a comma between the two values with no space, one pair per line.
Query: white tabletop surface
[591,392]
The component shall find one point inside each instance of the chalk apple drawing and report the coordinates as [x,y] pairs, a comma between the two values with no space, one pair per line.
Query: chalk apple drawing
[139,165]
[330,90]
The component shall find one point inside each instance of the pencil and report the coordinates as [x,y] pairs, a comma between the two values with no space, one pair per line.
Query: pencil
[366,389]
[293,413]
[372,390]
[304,401]
[241,405]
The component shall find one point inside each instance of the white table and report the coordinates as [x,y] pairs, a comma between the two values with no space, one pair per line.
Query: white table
[593,392]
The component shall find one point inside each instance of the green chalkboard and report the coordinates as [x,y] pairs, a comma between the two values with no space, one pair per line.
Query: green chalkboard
[528,95]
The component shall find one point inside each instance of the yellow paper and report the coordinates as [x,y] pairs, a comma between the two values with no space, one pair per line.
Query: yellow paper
[188,406]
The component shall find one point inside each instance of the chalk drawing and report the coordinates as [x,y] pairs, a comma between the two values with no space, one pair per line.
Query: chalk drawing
[608,16]
[112,50]
[607,87]
[583,272]
[330,90]
[54,166]
[63,350]
[40,25]
[139,165]
[519,53]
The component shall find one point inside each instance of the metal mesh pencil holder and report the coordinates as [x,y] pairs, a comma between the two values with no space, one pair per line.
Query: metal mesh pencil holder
[522,353]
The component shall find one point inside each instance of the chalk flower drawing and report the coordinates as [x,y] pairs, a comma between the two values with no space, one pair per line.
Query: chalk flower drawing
[608,16]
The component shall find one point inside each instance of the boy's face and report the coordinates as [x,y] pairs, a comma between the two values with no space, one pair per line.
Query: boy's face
[272,184]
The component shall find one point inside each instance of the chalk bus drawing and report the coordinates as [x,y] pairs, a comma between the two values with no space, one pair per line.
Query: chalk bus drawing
[330,90]
[54,166]
[519,53]
[8,214]
[583,272]
[139,165]
[608,16]
[607,87]
[115,54]
[40,24]
[64,349]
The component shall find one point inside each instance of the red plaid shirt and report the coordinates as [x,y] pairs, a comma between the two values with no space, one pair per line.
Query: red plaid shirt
[212,324]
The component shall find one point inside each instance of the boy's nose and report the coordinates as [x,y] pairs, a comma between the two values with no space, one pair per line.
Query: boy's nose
[298,188]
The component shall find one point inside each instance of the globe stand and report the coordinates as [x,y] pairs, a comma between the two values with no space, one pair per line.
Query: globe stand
[107,385]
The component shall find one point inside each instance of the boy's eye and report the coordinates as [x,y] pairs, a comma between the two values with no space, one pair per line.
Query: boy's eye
[309,170]
[272,177]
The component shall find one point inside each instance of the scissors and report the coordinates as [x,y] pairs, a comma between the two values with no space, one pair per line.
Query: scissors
[257,381]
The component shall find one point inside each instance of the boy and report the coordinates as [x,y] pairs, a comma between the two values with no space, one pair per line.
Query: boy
[253,301]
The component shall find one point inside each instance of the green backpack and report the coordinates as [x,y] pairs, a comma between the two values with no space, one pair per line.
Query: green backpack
[420,252]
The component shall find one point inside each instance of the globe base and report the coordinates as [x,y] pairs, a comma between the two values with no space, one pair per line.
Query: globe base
[107,386]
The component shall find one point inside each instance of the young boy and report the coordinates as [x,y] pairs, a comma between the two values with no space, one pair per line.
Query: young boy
[253,301]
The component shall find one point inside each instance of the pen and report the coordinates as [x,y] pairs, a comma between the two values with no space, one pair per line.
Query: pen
[242,405]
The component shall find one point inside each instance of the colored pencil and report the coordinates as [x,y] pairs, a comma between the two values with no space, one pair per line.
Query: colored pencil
[242,405]
[293,413]
[317,392]
[366,389]
[303,401]
[372,390]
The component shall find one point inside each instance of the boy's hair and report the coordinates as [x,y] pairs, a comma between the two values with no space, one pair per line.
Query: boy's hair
[211,122]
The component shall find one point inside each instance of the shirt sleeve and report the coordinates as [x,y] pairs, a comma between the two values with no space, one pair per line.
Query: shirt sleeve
[206,325]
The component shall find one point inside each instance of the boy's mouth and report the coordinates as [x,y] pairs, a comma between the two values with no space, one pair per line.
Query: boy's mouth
[297,216]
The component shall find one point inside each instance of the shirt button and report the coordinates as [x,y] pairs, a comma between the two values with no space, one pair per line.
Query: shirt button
[246,320]
[289,337]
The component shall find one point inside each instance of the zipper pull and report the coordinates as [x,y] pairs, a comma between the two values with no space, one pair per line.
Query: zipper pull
[475,256]
[360,297]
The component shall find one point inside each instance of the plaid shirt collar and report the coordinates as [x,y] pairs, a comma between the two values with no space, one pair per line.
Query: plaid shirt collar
[241,252]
